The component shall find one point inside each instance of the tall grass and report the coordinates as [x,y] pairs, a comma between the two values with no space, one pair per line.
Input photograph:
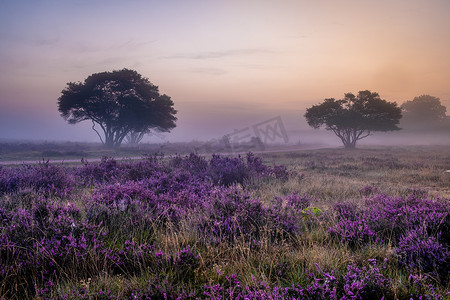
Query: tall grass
[326,224]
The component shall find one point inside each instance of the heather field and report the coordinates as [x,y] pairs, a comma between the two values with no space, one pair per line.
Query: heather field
[370,223]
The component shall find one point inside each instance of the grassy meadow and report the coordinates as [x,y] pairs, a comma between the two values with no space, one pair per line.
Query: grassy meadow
[369,223]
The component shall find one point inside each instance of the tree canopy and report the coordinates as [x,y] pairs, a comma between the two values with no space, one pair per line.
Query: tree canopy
[423,112]
[121,103]
[354,117]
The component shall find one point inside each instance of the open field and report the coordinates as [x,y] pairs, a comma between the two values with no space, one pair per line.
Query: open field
[34,152]
[338,174]
[15,153]
[323,224]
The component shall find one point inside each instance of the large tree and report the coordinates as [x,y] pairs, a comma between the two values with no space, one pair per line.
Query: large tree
[423,112]
[120,102]
[354,117]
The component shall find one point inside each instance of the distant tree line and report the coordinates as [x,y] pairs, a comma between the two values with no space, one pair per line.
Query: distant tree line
[124,105]
[425,113]
[356,117]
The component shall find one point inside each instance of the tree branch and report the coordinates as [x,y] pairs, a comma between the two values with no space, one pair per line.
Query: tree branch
[359,137]
[93,127]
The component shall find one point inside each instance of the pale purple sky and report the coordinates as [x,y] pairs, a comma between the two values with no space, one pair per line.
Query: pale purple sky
[226,64]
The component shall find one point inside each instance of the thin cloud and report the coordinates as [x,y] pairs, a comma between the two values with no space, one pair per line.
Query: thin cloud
[296,36]
[20,40]
[85,46]
[220,54]
[47,41]
[208,71]
[132,44]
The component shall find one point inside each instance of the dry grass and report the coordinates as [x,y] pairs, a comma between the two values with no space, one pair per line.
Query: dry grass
[326,176]
[336,174]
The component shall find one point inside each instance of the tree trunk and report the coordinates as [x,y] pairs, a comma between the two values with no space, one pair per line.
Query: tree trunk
[135,137]
[113,138]
[350,145]
[349,138]
[110,139]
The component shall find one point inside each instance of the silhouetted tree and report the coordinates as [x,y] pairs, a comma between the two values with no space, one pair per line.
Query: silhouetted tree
[423,112]
[135,137]
[120,102]
[355,117]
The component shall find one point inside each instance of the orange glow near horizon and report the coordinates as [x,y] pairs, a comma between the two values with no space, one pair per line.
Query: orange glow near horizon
[223,63]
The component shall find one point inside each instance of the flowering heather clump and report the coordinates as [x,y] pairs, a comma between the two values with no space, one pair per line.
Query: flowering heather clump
[134,259]
[231,170]
[119,195]
[171,183]
[187,257]
[357,283]
[231,289]
[297,202]
[94,173]
[256,164]
[156,229]
[417,250]
[393,216]
[354,232]
[365,283]
[185,262]
[9,182]
[136,171]
[194,164]
[351,226]
[231,215]
[347,210]
[280,172]
[44,178]
[420,287]
[51,180]
[108,170]
[126,208]
[45,242]
[228,170]
[282,224]
[157,288]
[389,218]
[285,215]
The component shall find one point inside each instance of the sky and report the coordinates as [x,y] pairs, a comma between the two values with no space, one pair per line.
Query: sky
[227,65]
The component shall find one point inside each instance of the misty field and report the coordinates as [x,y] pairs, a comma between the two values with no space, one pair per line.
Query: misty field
[324,224]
